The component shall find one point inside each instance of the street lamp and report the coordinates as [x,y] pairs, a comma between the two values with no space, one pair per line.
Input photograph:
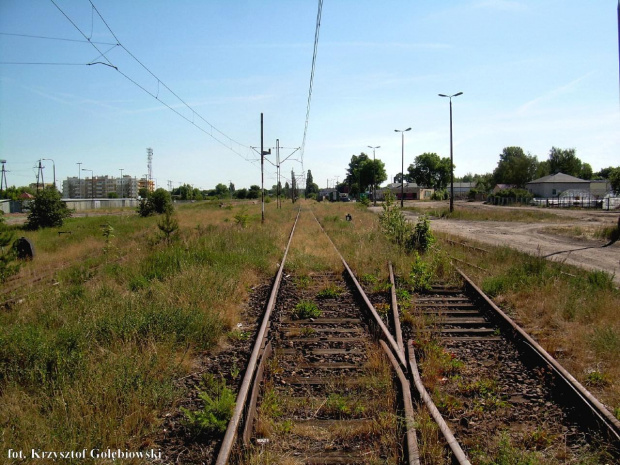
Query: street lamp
[54,169]
[92,183]
[79,163]
[122,191]
[451,156]
[402,166]
[374,186]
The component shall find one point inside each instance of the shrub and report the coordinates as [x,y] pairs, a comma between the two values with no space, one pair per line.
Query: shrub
[47,210]
[421,274]
[422,237]
[156,202]
[217,412]
[7,267]
[440,194]
[168,225]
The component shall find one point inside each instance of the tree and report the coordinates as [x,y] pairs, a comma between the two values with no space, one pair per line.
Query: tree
[398,178]
[47,210]
[287,190]
[484,182]
[112,195]
[362,171]
[614,179]
[564,161]
[241,193]
[231,188]
[14,193]
[586,171]
[429,170]
[515,167]
[311,187]
[158,201]
[254,192]
[605,172]
[221,190]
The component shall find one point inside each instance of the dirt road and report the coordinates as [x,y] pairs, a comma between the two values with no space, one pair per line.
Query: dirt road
[535,237]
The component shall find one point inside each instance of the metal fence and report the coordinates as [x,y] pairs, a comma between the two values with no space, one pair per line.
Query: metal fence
[607,203]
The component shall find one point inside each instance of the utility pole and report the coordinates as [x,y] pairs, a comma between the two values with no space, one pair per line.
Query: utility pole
[40,174]
[3,176]
[278,170]
[262,170]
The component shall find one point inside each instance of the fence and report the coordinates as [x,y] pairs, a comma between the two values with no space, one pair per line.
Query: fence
[607,203]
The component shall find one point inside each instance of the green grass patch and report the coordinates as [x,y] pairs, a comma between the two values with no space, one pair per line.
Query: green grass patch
[306,309]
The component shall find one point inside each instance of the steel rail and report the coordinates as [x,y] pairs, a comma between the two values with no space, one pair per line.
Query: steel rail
[397,330]
[386,333]
[459,455]
[412,440]
[597,408]
[233,425]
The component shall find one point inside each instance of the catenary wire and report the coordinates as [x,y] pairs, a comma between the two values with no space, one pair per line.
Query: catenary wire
[110,64]
[314,54]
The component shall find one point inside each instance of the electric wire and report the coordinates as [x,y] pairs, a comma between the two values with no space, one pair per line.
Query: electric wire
[314,54]
[159,81]
[102,54]
[55,38]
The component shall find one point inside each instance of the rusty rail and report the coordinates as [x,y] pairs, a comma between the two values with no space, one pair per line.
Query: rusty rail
[233,425]
[396,318]
[597,408]
[386,333]
[412,442]
[459,455]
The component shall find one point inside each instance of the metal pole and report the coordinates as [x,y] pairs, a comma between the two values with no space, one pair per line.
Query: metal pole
[278,169]
[122,191]
[451,164]
[79,179]
[262,163]
[402,171]
[374,182]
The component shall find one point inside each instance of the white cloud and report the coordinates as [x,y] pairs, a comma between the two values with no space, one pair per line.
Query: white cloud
[564,89]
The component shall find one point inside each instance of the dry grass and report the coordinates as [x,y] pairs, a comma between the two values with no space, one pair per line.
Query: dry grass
[92,362]
[571,312]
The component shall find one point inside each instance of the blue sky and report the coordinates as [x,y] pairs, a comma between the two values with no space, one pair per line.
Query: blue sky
[534,73]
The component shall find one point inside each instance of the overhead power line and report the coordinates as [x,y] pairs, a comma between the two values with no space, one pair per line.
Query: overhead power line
[55,38]
[213,132]
[316,45]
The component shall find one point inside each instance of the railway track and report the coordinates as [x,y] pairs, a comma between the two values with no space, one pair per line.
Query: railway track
[328,380]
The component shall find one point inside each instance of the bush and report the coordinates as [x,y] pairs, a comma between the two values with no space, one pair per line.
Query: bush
[7,267]
[217,412]
[422,238]
[157,202]
[47,210]
[440,194]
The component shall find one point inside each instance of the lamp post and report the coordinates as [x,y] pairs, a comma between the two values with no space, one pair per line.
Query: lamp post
[79,163]
[374,185]
[53,168]
[122,191]
[402,166]
[92,183]
[451,156]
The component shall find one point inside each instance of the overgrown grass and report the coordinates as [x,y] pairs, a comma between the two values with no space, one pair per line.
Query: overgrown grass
[490,214]
[569,311]
[92,361]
